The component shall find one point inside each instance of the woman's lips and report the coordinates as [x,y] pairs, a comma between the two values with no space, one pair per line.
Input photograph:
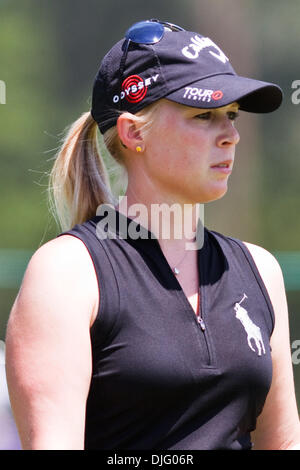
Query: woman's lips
[223,167]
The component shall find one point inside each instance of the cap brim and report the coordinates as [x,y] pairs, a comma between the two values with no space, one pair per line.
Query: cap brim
[220,90]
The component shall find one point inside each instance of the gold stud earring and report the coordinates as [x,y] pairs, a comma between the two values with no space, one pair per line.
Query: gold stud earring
[138,148]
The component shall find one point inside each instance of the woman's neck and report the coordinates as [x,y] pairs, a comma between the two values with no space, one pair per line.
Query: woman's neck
[177,226]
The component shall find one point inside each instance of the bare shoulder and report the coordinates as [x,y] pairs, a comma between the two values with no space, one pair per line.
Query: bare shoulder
[63,265]
[66,255]
[272,276]
[67,246]
[267,265]
[260,254]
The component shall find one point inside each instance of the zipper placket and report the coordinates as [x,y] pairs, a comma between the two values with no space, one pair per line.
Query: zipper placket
[199,318]
[201,323]
[199,311]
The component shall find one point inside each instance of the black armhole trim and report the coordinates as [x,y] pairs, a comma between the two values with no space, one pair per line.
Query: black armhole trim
[101,292]
[101,289]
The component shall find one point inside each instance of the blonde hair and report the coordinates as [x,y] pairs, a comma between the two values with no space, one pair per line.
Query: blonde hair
[79,180]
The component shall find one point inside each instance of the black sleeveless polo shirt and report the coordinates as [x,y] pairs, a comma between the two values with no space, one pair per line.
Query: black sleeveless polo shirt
[159,380]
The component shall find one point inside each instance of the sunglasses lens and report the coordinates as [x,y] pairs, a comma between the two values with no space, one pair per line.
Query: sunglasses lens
[145,32]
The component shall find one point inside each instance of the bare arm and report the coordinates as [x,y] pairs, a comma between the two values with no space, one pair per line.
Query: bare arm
[278,426]
[48,352]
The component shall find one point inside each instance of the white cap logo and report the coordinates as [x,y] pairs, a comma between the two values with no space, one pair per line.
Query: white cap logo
[192,51]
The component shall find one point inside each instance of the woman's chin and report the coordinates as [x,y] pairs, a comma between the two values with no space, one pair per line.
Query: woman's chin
[213,194]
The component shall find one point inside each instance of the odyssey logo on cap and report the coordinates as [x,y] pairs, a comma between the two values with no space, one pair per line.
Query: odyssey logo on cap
[134,88]
[199,94]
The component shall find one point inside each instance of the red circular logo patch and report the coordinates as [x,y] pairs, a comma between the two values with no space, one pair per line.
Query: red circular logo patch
[134,88]
[217,95]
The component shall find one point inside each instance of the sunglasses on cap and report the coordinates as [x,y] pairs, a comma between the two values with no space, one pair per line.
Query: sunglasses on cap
[144,32]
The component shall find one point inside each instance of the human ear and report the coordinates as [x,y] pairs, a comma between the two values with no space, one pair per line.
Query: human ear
[129,132]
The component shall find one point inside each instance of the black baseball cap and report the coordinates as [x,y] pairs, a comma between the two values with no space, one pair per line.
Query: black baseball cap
[161,60]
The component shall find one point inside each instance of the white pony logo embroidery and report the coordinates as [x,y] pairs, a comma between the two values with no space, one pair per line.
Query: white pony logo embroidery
[252,330]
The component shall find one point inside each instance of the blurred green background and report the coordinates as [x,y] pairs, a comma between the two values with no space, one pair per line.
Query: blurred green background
[49,55]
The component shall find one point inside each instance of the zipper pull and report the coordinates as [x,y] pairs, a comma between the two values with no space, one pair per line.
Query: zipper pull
[202,324]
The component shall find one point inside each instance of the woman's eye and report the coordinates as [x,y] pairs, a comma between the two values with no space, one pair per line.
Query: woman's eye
[205,116]
[232,115]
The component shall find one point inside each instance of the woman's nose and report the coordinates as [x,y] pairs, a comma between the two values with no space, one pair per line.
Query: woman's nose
[228,135]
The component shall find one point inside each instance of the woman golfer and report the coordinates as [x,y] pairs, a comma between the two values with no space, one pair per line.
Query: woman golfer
[121,337]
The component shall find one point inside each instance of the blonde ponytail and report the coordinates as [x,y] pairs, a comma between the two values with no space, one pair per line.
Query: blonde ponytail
[79,180]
